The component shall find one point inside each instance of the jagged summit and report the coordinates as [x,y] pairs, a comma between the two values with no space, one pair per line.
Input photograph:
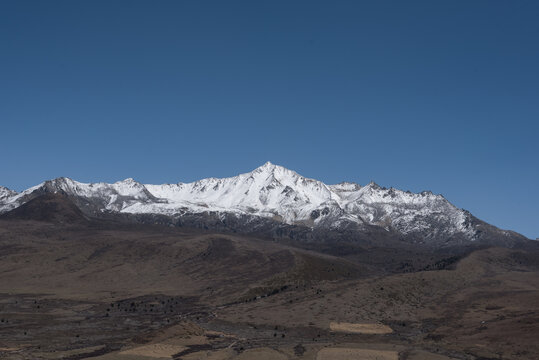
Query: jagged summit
[5,192]
[269,170]
[274,192]
[267,165]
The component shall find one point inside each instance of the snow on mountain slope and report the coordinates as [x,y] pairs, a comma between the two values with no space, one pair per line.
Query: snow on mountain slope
[113,197]
[6,193]
[275,192]
[268,191]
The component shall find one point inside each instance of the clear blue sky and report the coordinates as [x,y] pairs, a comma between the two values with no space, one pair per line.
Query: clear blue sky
[438,95]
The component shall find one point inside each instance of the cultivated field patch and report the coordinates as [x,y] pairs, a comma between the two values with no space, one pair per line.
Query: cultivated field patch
[360,328]
[355,354]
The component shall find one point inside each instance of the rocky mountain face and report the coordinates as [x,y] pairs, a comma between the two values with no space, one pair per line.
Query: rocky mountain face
[6,193]
[278,202]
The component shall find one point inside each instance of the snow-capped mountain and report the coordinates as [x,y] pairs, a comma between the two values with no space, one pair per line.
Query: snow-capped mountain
[271,192]
[112,197]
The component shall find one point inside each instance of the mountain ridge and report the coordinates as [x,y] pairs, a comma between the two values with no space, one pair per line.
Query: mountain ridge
[278,194]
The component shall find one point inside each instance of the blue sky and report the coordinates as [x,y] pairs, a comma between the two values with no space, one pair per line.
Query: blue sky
[438,95]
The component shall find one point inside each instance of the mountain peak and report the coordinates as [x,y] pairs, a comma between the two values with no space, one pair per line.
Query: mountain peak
[272,174]
[61,180]
[5,192]
[59,184]
[373,185]
[128,181]
[266,168]
[272,168]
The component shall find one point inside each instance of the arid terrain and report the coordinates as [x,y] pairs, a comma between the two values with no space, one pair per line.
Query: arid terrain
[72,287]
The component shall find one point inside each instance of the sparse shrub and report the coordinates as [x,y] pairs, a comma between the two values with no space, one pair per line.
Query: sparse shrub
[299,350]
